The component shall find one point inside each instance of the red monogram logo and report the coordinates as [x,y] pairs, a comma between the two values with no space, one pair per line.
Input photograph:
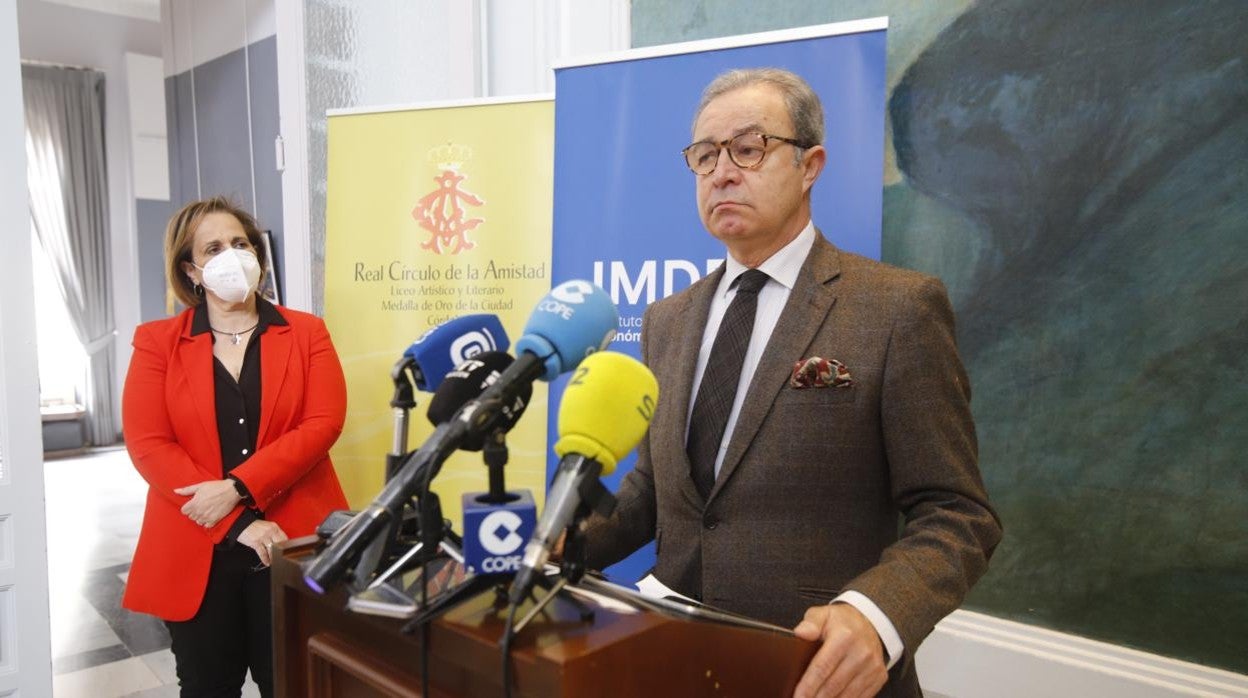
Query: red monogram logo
[442,211]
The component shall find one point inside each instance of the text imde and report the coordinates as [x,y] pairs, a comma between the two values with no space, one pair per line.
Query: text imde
[631,286]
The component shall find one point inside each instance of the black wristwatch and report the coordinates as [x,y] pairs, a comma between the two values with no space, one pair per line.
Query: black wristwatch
[242,490]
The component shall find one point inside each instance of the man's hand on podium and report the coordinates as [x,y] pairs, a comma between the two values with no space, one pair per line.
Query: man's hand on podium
[850,660]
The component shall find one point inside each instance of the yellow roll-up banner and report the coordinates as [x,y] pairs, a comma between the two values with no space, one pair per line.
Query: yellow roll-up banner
[433,213]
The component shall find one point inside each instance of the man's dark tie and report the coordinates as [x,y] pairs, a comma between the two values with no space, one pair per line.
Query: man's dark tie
[719,381]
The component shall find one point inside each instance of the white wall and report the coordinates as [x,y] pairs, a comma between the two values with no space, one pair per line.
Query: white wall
[148,133]
[59,34]
[972,655]
[197,32]
[139,9]
[25,635]
[525,37]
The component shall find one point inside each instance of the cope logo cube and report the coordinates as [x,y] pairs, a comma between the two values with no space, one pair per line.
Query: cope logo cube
[495,534]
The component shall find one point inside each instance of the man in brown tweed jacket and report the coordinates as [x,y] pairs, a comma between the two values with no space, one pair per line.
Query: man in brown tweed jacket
[845,497]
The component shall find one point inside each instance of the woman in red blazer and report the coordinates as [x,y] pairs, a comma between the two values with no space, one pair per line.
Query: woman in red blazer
[229,411]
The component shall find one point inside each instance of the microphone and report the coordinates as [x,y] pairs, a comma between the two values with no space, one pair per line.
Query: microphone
[428,359]
[571,322]
[467,382]
[442,348]
[605,412]
[496,524]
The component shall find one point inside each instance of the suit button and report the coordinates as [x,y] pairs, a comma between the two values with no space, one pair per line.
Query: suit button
[710,523]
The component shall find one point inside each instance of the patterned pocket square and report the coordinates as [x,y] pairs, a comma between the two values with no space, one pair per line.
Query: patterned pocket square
[820,373]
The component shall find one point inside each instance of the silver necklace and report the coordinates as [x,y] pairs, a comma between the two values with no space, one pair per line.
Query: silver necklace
[236,336]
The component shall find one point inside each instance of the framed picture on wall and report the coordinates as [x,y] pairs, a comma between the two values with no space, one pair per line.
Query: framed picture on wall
[269,285]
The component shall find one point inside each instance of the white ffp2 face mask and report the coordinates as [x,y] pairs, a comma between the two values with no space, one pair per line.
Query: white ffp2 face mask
[232,275]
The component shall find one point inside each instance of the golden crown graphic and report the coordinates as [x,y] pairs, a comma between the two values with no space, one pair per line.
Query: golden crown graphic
[450,156]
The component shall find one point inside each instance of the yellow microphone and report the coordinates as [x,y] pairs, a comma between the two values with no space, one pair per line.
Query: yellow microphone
[606,409]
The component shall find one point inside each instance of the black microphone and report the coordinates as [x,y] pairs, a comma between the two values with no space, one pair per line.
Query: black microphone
[462,385]
[328,567]
[467,382]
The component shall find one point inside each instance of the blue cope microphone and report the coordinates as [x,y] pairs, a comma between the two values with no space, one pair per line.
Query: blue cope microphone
[439,350]
[567,325]
[571,322]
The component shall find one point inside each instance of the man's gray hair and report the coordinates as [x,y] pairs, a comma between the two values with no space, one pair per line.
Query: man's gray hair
[805,110]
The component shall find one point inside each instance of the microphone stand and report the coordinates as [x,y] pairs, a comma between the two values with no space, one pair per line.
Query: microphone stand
[594,497]
[495,454]
[401,404]
[403,400]
[379,597]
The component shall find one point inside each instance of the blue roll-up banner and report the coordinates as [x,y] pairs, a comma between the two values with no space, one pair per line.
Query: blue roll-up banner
[625,213]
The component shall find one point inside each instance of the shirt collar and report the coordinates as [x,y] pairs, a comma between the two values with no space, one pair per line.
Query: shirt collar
[783,266]
[266,313]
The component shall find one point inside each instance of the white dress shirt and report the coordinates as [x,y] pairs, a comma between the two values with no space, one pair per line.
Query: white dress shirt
[782,268]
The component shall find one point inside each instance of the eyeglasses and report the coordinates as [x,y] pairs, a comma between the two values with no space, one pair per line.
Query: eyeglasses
[745,149]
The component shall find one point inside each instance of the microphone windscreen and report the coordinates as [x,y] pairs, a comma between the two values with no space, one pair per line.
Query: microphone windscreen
[449,344]
[466,382]
[571,322]
[606,408]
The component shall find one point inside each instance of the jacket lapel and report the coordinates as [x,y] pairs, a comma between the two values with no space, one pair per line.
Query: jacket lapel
[691,317]
[275,346]
[809,302]
[197,368]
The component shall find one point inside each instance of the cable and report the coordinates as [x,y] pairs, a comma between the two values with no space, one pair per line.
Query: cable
[508,635]
[424,631]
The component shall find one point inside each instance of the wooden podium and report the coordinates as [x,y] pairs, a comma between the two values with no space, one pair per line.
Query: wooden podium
[324,650]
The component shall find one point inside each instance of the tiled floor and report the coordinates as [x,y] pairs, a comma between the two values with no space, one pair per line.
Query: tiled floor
[99,650]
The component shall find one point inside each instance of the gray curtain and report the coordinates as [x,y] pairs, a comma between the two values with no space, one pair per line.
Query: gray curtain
[69,206]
